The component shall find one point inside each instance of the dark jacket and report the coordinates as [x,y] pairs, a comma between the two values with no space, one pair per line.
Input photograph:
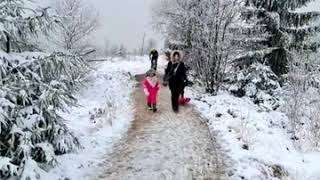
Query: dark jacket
[176,75]
[153,55]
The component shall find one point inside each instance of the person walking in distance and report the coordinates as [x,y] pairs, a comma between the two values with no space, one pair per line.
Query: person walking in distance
[175,76]
[154,55]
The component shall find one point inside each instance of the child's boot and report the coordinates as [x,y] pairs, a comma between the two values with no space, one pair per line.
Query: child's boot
[149,106]
[154,107]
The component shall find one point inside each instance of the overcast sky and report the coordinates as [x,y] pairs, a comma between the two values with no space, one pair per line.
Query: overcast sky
[312,6]
[125,22]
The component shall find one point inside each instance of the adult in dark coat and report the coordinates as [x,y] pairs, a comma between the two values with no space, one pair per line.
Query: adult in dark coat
[154,55]
[175,75]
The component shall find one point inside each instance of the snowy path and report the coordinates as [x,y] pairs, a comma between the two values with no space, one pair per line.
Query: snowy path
[164,146]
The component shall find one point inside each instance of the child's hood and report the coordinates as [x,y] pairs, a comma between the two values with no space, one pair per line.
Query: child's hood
[153,81]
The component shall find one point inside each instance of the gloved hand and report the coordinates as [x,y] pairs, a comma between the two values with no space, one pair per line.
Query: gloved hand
[188,83]
[165,83]
[146,92]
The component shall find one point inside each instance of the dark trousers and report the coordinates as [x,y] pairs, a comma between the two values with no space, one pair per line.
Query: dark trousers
[154,63]
[182,91]
[175,99]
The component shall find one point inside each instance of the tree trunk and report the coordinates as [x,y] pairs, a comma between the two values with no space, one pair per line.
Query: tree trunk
[8,48]
[142,46]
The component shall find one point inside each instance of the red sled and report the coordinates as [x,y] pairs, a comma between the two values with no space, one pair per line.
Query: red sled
[184,100]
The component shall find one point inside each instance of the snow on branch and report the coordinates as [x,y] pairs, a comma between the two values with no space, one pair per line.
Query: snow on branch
[34,87]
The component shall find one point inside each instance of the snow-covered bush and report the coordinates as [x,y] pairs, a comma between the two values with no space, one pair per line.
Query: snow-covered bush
[33,88]
[302,101]
[257,82]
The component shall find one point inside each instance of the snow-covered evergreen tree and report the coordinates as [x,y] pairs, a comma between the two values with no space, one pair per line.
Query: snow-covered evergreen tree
[33,88]
[284,29]
[270,33]
[18,23]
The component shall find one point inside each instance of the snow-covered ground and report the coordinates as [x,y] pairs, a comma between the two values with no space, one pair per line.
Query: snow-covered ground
[102,118]
[256,142]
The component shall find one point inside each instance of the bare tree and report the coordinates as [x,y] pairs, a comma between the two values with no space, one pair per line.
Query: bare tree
[204,28]
[107,48]
[78,22]
[135,52]
[114,49]
[142,46]
[123,52]
[302,99]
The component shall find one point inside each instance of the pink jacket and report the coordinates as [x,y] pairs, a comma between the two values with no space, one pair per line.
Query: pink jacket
[151,87]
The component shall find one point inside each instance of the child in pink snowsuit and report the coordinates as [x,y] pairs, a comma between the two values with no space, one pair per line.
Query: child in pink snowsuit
[151,87]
